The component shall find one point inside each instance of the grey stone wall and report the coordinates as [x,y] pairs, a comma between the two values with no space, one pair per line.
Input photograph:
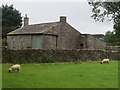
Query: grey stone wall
[49,42]
[68,37]
[113,48]
[91,42]
[20,42]
[83,41]
[37,55]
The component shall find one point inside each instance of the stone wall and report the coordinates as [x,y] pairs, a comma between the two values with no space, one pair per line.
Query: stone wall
[90,42]
[20,42]
[68,37]
[113,48]
[49,42]
[25,42]
[40,56]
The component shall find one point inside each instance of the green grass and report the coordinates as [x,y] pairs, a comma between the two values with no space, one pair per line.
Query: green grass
[62,75]
[0,76]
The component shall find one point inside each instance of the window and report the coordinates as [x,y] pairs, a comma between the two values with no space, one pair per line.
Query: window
[13,42]
[82,46]
[21,44]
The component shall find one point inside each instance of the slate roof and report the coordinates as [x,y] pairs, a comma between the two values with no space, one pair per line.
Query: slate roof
[35,29]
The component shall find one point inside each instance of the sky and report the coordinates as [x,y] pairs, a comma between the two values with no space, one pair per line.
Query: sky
[78,14]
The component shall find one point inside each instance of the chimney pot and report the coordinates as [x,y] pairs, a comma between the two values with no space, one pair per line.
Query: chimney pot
[25,15]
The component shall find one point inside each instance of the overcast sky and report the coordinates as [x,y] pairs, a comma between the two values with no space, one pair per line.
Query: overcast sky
[78,14]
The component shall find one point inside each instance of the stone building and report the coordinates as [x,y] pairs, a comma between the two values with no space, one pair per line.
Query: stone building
[90,42]
[54,35]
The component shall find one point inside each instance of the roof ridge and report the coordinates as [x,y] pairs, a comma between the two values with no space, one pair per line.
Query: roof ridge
[43,23]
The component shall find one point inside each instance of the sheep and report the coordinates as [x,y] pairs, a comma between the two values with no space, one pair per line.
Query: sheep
[104,61]
[14,67]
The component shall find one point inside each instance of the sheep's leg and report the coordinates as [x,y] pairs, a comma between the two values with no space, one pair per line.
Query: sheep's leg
[9,71]
[18,70]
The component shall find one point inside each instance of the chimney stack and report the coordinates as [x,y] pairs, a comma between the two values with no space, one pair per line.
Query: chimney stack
[63,19]
[26,20]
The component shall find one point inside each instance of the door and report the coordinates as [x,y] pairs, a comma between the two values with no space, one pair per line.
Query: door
[36,41]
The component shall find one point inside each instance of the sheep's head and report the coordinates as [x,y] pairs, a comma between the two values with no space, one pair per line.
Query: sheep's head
[100,62]
[10,70]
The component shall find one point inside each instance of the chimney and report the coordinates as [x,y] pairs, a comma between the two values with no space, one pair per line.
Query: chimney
[26,20]
[63,19]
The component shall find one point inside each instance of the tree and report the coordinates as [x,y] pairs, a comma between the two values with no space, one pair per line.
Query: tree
[111,10]
[11,19]
[110,37]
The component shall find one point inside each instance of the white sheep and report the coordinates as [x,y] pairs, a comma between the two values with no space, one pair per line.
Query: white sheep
[104,61]
[14,67]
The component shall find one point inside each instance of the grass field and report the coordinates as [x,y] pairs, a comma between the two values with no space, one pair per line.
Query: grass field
[62,75]
[0,76]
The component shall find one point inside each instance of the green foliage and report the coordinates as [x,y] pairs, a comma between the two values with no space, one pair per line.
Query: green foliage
[4,42]
[117,30]
[11,19]
[110,10]
[11,16]
[110,37]
[99,36]
[101,10]
[6,29]
[62,75]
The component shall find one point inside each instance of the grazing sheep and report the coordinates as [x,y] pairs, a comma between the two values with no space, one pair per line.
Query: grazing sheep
[104,61]
[14,67]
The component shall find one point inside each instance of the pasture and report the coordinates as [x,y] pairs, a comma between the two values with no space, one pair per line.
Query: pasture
[62,75]
[0,76]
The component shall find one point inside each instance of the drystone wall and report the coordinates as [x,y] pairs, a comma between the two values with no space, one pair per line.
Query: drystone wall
[46,56]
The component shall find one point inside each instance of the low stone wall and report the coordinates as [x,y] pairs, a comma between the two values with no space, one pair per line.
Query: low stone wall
[113,48]
[45,56]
